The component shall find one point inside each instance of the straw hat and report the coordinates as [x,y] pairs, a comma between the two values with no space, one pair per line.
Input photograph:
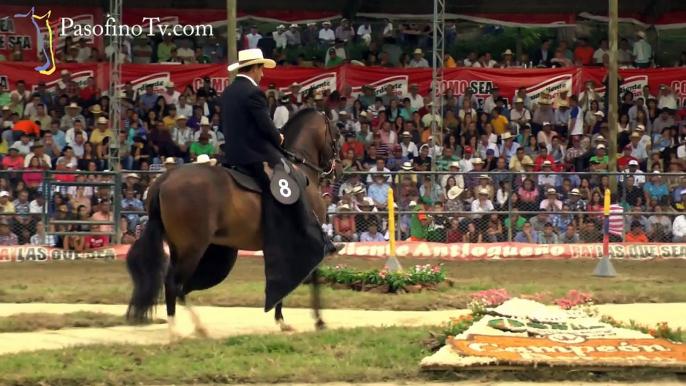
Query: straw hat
[251,57]
[418,51]
[506,135]
[508,52]
[477,161]
[95,109]
[454,192]
[204,121]
[102,121]
[407,166]
[74,106]
[205,159]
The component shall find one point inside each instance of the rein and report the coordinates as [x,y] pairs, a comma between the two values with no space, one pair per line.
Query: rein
[331,164]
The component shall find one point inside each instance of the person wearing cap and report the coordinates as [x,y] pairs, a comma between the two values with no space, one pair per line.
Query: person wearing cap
[396,160]
[638,150]
[642,51]
[283,112]
[279,37]
[601,157]
[633,170]
[332,59]
[293,36]
[418,60]
[623,161]
[419,222]
[326,36]
[352,144]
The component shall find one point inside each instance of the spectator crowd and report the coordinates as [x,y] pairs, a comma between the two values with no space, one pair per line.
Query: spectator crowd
[500,171]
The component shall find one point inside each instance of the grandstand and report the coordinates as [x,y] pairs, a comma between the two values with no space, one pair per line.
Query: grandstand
[520,156]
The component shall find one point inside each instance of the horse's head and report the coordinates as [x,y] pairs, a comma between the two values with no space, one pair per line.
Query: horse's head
[313,137]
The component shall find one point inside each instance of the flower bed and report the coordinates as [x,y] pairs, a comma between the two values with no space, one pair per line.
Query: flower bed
[485,301]
[416,279]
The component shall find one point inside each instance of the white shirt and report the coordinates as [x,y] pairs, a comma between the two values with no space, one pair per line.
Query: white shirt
[171,99]
[253,39]
[280,39]
[679,226]
[281,116]
[364,29]
[489,105]
[29,157]
[410,150]
[471,111]
[598,55]
[490,64]
[186,54]
[388,29]
[186,111]
[84,54]
[34,207]
[483,149]
[478,207]
[69,137]
[327,34]
[639,177]
[417,101]
[466,165]
[667,101]
[374,169]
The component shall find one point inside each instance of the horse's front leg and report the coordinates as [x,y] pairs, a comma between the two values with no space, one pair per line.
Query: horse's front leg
[317,301]
[278,316]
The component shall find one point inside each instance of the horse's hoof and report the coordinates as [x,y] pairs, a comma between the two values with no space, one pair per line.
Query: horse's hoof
[201,331]
[285,327]
[320,325]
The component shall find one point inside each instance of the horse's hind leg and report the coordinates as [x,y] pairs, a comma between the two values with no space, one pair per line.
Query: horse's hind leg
[214,266]
[171,293]
[278,316]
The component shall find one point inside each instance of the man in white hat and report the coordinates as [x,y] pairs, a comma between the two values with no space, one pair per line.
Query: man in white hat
[171,96]
[280,36]
[293,36]
[101,132]
[296,241]
[418,60]
[327,36]
[206,128]
[642,52]
[73,114]
[183,137]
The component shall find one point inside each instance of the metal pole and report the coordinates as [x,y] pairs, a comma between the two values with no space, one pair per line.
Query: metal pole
[438,49]
[46,203]
[117,208]
[114,87]
[613,110]
[231,46]
[509,208]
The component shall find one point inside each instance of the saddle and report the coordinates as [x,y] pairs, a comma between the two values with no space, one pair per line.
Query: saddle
[287,182]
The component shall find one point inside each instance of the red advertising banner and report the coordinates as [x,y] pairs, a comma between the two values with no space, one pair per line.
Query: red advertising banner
[18,26]
[416,250]
[481,81]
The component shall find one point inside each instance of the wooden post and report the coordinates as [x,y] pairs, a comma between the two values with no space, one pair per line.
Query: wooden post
[613,109]
[231,48]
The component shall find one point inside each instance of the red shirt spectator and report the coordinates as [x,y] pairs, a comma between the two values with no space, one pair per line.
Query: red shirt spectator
[354,145]
[626,158]
[13,163]
[584,54]
[27,126]
[539,161]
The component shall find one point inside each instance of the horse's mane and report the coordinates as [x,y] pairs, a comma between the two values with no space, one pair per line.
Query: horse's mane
[292,129]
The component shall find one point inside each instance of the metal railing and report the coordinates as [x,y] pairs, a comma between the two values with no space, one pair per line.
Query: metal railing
[654,209]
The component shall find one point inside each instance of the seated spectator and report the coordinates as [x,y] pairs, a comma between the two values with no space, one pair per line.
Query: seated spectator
[569,236]
[372,233]
[7,238]
[14,161]
[527,235]
[636,235]
[548,236]
[344,225]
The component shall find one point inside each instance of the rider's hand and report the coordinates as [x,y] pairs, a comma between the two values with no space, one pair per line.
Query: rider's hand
[281,138]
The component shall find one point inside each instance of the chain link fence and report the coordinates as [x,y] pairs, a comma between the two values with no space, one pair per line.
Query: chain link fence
[543,207]
[539,207]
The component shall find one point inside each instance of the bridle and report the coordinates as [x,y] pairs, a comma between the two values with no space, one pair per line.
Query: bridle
[330,165]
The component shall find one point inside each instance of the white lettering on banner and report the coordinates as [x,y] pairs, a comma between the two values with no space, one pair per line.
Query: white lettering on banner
[633,84]
[158,81]
[398,82]
[218,84]
[79,77]
[552,85]
[326,81]
[679,88]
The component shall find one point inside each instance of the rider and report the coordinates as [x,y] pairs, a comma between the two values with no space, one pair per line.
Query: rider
[294,241]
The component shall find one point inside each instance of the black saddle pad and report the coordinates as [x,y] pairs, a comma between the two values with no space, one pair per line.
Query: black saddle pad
[246,179]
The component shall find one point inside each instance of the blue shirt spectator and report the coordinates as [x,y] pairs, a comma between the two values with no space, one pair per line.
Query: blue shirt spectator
[367,236]
[656,188]
[379,192]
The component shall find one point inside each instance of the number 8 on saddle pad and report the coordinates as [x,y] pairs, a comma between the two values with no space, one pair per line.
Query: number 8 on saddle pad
[283,187]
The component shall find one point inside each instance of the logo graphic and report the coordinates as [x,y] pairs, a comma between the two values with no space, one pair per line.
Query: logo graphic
[49,66]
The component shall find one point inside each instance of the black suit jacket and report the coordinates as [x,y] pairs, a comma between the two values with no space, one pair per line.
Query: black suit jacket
[250,135]
[538,57]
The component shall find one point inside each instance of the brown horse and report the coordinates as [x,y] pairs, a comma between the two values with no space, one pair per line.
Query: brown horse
[205,217]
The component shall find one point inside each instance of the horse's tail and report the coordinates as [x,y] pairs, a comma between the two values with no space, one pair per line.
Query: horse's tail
[146,262]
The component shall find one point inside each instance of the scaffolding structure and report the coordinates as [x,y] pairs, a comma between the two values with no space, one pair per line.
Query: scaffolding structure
[438,50]
[114,87]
